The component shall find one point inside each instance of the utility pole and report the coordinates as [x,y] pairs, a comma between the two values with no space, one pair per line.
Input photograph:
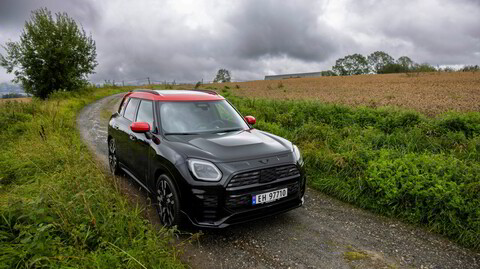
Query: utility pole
[148,80]
[123,83]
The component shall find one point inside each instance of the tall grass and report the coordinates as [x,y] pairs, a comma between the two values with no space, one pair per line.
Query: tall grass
[57,208]
[393,161]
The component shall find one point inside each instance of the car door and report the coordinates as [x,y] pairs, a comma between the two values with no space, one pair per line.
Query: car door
[124,137]
[141,148]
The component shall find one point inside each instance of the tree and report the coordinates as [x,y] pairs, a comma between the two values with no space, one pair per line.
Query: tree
[392,68]
[425,67]
[470,68]
[378,60]
[12,95]
[223,75]
[406,62]
[52,54]
[355,64]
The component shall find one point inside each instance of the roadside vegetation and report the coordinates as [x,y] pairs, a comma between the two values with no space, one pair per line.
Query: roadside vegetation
[58,209]
[393,161]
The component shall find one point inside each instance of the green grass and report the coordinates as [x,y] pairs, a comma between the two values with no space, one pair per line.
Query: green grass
[354,255]
[393,161]
[58,209]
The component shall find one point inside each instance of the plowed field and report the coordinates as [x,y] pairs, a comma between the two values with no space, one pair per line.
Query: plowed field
[430,93]
[26,99]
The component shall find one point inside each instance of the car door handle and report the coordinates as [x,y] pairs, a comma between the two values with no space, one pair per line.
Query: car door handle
[132,137]
[115,127]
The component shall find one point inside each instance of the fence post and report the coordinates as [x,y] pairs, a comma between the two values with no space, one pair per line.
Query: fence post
[123,83]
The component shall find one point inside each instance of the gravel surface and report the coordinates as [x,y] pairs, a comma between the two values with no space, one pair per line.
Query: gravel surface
[324,233]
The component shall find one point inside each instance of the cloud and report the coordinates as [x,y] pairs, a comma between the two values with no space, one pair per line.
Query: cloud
[15,12]
[289,28]
[434,31]
[187,40]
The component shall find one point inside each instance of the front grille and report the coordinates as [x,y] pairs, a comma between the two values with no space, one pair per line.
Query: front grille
[243,201]
[263,175]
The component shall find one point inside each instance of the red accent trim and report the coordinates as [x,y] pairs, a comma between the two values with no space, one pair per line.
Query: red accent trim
[180,97]
[140,127]
[250,120]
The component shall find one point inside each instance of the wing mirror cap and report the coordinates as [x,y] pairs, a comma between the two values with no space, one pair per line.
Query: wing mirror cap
[250,120]
[140,127]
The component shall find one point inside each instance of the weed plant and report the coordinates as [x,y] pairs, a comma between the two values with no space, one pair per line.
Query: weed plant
[58,209]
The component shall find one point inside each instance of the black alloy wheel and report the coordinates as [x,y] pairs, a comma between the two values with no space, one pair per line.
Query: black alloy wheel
[112,157]
[167,202]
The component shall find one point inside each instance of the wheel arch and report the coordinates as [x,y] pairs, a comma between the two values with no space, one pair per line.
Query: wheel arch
[160,170]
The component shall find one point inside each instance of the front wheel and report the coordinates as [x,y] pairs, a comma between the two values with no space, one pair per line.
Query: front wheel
[112,157]
[167,202]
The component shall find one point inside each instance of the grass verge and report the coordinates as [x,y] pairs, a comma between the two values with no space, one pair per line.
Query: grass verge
[57,207]
[392,161]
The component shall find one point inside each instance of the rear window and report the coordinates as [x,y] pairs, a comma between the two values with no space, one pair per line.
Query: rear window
[131,108]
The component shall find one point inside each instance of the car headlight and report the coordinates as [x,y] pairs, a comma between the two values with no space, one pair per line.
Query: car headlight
[298,155]
[204,170]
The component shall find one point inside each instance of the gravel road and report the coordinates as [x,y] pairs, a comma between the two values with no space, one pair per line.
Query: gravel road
[324,233]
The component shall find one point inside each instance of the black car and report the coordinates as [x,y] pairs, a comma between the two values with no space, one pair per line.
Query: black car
[201,160]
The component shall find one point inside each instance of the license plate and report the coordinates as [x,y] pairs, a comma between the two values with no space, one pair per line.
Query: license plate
[269,196]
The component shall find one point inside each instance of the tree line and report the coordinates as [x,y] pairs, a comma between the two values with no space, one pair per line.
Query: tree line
[380,62]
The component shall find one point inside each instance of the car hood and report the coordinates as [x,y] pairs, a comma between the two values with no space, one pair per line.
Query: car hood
[230,146]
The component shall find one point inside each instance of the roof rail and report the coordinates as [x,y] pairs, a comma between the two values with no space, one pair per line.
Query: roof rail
[205,91]
[145,90]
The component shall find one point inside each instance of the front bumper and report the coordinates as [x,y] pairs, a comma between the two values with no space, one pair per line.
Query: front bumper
[221,206]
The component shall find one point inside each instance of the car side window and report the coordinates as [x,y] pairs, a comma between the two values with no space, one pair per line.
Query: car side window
[131,108]
[145,113]
[121,108]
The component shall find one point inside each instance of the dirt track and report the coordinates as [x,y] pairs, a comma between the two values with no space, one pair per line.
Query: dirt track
[324,233]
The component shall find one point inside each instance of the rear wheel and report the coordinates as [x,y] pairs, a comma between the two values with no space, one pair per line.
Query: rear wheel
[167,202]
[112,157]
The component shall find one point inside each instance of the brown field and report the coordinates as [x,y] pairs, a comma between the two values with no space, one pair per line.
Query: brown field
[430,93]
[24,99]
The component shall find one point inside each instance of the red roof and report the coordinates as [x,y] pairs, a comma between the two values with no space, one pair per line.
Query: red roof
[176,95]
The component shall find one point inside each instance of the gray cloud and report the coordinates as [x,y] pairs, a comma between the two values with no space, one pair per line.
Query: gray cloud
[188,40]
[15,12]
[289,28]
[434,31]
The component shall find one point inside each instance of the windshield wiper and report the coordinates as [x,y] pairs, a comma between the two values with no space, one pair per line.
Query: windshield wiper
[229,130]
[180,133]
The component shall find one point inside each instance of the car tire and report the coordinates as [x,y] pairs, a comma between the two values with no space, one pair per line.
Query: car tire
[167,202]
[112,157]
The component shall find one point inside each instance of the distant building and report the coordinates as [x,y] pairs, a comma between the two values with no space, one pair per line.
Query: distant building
[298,75]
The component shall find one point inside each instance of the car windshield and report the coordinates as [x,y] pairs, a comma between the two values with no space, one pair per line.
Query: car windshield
[200,117]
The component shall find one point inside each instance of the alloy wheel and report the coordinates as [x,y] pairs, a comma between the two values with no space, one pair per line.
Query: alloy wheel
[112,156]
[166,202]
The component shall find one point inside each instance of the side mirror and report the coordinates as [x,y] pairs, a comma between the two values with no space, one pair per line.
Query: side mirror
[140,127]
[250,119]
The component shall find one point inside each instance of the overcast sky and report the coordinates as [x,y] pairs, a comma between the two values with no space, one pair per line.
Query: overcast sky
[188,40]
